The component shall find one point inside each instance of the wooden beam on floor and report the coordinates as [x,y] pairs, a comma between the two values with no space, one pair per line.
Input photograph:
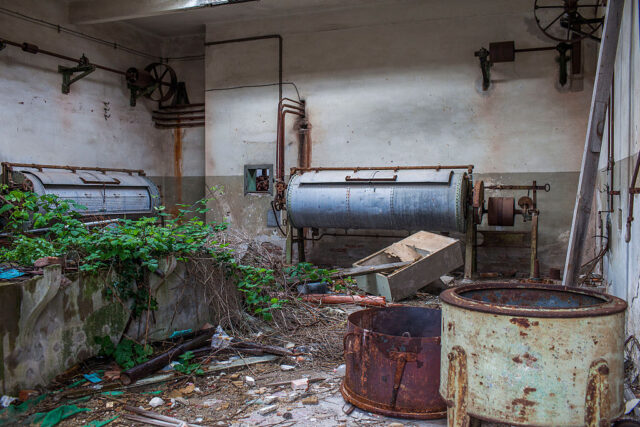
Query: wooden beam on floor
[593,141]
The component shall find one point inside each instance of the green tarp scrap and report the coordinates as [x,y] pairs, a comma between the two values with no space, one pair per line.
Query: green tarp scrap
[8,415]
[112,393]
[100,423]
[53,417]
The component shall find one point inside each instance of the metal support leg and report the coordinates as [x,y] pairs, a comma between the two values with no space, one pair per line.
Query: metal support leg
[470,245]
[289,244]
[300,241]
[534,243]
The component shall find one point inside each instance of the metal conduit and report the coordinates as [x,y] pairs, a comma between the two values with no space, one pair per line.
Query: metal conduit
[34,49]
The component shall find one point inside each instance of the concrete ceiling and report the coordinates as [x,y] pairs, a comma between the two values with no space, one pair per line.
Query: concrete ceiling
[189,19]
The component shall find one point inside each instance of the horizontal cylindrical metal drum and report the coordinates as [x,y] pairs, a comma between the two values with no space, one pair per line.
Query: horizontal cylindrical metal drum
[101,192]
[404,199]
[532,354]
[392,358]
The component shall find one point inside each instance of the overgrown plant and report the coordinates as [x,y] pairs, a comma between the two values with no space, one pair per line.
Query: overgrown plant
[127,353]
[307,272]
[130,249]
[185,366]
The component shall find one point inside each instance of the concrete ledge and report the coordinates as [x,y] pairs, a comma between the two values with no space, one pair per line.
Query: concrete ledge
[48,323]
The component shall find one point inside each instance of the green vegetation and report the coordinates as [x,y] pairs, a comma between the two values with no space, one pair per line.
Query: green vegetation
[127,353]
[307,272]
[186,367]
[129,250]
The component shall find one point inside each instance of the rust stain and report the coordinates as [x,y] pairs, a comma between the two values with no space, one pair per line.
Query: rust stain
[457,383]
[520,321]
[177,163]
[523,402]
[528,390]
[523,334]
[394,375]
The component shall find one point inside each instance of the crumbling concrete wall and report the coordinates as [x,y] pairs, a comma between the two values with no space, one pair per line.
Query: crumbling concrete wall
[390,85]
[621,264]
[49,322]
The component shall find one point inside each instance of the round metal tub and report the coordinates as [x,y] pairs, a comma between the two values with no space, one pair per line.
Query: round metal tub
[393,362]
[527,354]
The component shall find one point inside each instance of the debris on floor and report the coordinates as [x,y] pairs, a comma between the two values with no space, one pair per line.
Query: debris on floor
[428,256]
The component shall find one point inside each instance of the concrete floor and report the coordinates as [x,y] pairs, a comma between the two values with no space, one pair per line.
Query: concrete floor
[328,412]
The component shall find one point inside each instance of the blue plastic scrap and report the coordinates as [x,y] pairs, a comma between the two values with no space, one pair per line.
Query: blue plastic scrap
[9,273]
[94,378]
[176,334]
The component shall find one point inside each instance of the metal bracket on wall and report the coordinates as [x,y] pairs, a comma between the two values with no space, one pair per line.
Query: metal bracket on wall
[84,67]
[633,190]
[506,52]
[485,66]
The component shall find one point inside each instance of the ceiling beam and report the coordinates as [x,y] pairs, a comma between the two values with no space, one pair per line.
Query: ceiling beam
[99,11]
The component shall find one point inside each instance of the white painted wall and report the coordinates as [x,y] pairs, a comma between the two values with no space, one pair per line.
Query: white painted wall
[397,84]
[94,125]
[400,85]
[41,125]
[622,262]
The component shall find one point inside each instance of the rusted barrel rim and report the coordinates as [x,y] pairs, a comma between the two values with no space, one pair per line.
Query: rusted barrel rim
[610,304]
[378,408]
[352,320]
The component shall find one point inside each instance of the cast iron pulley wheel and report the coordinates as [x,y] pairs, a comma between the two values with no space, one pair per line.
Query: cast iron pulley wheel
[501,211]
[478,202]
[165,80]
[568,21]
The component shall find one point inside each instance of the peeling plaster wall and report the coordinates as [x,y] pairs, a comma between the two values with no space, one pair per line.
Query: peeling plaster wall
[621,264]
[398,84]
[49,322]
[94,125]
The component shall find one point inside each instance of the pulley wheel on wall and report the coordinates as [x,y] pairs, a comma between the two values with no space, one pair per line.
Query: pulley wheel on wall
[568,21]
[501,211]
[165,80]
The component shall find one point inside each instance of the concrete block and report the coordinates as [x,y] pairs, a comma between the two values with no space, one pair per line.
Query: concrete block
[431,256]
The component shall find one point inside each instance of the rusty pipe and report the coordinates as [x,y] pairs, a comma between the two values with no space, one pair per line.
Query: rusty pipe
[34,49]
[280,142]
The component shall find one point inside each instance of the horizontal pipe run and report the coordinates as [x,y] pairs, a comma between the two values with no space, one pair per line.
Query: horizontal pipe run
[545,187]
[179,125]
[173,119]
[391,168]
[31,48]
[71,168]
[181,106]
[177,113]
[535,49]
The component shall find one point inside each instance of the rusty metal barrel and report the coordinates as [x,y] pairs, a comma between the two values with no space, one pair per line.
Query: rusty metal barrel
[392,358]
[532,354]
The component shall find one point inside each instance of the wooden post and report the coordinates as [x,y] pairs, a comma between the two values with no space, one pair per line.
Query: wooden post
[593,141]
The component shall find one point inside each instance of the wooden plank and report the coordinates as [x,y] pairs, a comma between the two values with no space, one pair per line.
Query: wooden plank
[593,140]
[367,269]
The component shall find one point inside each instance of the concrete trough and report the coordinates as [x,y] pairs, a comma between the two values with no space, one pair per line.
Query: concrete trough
[532,355]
